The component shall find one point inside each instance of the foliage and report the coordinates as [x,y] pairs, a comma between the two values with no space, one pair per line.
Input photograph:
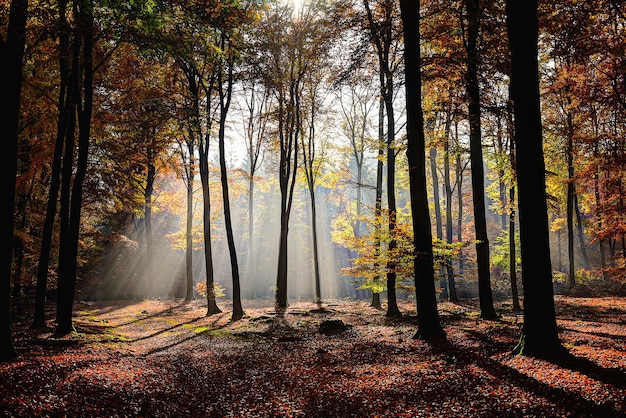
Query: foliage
[500,253]
[218,289]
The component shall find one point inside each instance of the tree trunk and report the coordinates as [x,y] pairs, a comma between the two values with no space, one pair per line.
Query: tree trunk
[429,326]
[539,334]
[212,307]
[225,97]
[11,53]
[448,187]
[379,187]
[581,234]
[188,229]
[70,224]
[570,205]
[512,251]
[487,310]
[459,221]
[392,302]
[443,284]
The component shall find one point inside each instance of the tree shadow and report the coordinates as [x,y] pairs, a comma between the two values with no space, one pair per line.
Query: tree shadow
[572,402]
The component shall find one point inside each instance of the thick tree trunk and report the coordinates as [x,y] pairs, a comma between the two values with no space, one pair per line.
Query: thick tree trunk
[487,310]
[429,326]
[539,334]
[11,53]
[71,229]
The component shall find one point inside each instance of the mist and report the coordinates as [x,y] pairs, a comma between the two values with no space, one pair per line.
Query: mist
[127,272]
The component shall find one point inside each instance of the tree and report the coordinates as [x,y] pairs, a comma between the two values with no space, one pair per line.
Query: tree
[11,52]
[487,310]
[225,89]
[73,176]
[383,35]
[539,333]
[429,326]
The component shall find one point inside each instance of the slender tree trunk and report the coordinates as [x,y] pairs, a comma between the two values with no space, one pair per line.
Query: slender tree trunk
[459,225]
[429,326]
[288,131]
[225,97]
[392,302]
[316,268]
[212,307]
[379,187]
[251,263]
[189,228]
[11,53]
[149,259]
[581,234]
[448,187]
[238,312]
[570,206]
[539,334]
[487,310]
[443,283]
[512,251]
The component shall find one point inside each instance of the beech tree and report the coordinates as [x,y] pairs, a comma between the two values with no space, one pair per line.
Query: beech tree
[473,10]
[384,38]
[73,176]
[11,52]
[539,333]
[427,314]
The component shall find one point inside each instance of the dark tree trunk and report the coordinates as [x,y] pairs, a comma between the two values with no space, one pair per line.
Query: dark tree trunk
[11,53]
[429,326]
[581,234]
[225,97]
[65,115]
[70,221]
[539,334]
[212,307]
[448,187]
[459,221]
[379,187]
[188,228]
[288,132]
[513,251]
[443,283]
[570,205]
[487,310]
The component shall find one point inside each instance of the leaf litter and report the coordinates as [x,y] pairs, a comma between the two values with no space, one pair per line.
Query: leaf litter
[165,358]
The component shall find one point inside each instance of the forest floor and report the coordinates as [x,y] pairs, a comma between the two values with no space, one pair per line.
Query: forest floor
[165,358]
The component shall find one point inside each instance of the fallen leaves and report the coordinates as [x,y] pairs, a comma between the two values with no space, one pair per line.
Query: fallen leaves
[167,359]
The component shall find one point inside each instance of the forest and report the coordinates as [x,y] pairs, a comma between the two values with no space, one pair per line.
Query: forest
[242,172]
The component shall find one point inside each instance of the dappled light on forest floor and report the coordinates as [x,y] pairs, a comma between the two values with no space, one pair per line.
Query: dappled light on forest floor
[166,358]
